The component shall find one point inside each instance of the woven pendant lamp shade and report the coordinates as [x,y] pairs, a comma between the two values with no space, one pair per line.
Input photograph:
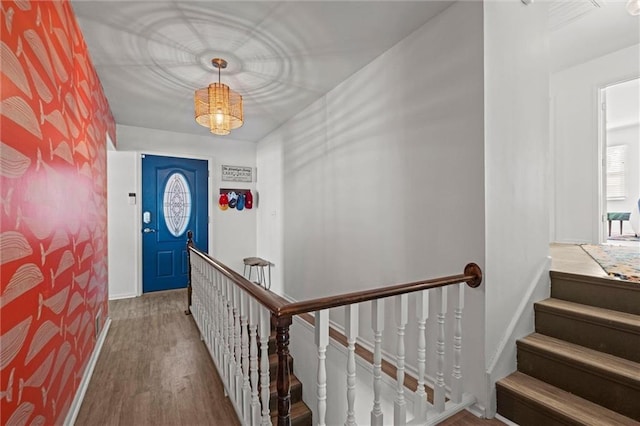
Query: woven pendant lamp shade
[218,108]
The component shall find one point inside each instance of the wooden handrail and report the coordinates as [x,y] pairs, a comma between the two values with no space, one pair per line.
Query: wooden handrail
[280,307]
[282,311]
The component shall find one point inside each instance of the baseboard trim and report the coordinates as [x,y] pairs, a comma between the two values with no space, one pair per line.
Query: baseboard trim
[86,377]
[122,296]
[522,323]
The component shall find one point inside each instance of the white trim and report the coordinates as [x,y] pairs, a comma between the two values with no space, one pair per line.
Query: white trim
[522,323]
[86,377]
[122,296]
[601,156]
[505,420]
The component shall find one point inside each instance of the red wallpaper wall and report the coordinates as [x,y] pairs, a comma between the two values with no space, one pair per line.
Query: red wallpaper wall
[53,244]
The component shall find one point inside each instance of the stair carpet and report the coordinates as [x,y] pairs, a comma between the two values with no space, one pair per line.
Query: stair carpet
[300,413]
[582,364]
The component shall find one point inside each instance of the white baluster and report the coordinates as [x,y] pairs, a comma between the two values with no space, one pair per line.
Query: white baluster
[377,324]
[219,321]
[254,318]
[322,340]
[439,388]
[422,313]
[457,292]
[265,331]
[351,331]
[238,348]
[400,404]
[212,309]
[227,333]
[231,364]
[246,387]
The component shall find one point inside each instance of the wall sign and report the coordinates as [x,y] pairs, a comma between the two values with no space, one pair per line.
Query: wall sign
[237,174]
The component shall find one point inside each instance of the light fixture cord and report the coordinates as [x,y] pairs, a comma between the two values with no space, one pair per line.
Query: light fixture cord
[219,73]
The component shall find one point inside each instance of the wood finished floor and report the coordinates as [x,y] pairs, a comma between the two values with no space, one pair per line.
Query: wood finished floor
[154,370]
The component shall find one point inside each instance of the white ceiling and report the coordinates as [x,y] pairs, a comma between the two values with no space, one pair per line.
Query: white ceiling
[582,30]
[151,56]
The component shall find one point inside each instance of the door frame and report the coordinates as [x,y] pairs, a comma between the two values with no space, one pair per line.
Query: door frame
[601,231]
[603,226]
[210,163]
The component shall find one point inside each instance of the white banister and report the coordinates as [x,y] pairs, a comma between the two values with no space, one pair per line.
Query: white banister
[422,314]
[229,365]
[439,387]
[234,319]
[400,404]
[322,340]
[238,347]
[244,324]
[457,292]
[265,331]
[220,323]
[254,319]
[377,324]
[351,331]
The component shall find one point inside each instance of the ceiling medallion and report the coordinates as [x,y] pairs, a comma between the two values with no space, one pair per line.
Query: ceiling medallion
[217,107]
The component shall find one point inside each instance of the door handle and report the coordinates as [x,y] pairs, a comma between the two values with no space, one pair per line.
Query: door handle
[147,230]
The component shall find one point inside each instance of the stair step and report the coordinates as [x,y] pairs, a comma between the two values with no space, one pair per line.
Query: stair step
[300,415]
[273,366]
[605,379]
[612,332]
[608,293]
[532,402]
[295,391]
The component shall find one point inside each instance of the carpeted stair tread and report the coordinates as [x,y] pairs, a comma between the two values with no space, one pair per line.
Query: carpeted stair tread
[622,369]
[603,292]
[300,415]
[546,401]
[273,361]
[605,330]
[617,319]
[295,391]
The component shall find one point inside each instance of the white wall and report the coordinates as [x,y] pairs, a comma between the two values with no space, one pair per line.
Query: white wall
[269,217]
[516,162]
[232,233]
[122,224]
[575,142]
[381,180]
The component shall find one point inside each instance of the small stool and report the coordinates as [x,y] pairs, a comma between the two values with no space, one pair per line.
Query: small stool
[259,264]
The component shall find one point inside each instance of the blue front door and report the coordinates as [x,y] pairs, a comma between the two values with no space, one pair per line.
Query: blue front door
[174,201]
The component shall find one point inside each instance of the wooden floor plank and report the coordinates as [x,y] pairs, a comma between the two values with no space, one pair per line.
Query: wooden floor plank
[154,370]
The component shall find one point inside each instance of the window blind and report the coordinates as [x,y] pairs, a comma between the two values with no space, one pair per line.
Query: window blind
[616,188]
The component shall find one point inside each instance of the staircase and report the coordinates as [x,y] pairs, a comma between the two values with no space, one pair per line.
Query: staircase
[300,412]
[582,364]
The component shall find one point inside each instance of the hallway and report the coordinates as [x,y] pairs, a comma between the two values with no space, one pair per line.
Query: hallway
[154,370]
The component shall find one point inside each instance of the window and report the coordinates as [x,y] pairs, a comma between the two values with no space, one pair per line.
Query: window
[177,204]
[616,188]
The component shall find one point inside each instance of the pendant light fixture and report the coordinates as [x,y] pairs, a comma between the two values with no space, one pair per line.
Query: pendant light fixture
[217,107]
[633,7]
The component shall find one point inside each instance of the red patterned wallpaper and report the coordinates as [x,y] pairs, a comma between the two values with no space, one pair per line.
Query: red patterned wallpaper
[53,243]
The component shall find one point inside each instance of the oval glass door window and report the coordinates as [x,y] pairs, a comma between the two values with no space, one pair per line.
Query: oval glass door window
[177,204]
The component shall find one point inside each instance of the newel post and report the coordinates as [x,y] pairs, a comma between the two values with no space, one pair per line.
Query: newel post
[189,289]
[283,380]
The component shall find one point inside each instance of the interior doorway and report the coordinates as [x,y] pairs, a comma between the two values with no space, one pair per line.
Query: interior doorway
[620,153]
